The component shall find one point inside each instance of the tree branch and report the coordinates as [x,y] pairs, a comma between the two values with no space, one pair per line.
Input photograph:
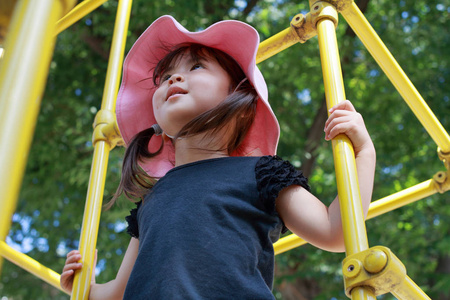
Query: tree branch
[95,44]
[250,5]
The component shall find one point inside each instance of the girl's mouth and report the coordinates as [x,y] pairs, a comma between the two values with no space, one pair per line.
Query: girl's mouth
[175,90]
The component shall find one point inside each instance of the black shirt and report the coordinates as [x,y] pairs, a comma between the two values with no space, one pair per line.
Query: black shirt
[206,230]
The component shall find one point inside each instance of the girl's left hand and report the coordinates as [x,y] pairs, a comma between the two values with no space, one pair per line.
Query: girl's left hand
[344,119]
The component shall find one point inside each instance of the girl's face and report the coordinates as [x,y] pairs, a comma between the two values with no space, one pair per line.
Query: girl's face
[187,89]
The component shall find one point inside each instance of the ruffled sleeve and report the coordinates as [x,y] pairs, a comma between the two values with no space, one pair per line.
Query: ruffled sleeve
[274,174]
[133,229]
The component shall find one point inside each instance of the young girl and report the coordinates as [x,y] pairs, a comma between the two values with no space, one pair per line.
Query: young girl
[201,138]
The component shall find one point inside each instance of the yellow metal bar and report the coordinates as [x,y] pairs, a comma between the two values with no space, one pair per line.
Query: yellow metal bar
[91,219]
[379,207]
[302,29]
[30,265]
[380,270]
[23,73]
[77,13]
[116,56]
[355,237]
[288,243]
[402,198]
[349,198]
[276,44]
[362,293]
[345,165]
[396,75]
[409,290]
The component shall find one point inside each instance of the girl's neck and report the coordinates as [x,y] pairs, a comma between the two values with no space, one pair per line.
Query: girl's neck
[196,148]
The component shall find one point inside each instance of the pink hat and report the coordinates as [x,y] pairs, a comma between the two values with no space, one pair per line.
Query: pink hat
[134,101]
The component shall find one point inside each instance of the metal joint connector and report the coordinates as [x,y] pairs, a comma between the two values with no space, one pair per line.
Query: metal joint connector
[324,10]
[445,157]
[106,129]
[377,268]
[442,181]
[304,27]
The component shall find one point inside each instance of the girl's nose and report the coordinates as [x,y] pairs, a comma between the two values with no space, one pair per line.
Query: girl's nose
[176,78]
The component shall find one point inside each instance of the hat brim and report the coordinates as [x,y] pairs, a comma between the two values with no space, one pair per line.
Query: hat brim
[134,101]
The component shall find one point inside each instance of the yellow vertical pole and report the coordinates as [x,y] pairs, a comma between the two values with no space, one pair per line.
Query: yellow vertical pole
[23,73]
[345,165]
[102,146]
[396,75]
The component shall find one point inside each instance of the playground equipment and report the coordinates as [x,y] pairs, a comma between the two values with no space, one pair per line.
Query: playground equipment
[368,272]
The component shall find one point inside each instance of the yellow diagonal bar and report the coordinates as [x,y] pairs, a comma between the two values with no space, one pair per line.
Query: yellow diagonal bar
[402,198]
[396,75]
[77,13]
[409,290]
[379,207]
[302,29]
[276,44]
[91,218]
[29,264]
[288,243]
[23,73]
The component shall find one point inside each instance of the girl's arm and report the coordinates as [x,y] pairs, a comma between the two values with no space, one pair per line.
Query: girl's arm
[113,289]
[307,216]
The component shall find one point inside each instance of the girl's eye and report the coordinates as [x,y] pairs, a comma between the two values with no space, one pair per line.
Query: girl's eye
[197,66]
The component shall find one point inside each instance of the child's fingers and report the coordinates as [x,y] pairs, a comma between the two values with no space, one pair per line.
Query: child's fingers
[337,114]
[73,258]
[72,255]
[342,121]
[68,271]
[66,276]
[340,128]
[344,105]
[352,125]
[73,252]
[72,266]
[66,280]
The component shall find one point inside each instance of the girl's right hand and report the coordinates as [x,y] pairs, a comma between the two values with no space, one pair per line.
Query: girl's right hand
[68,273]
[72,264]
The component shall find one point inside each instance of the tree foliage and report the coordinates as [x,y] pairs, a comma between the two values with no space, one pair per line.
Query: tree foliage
[47,221]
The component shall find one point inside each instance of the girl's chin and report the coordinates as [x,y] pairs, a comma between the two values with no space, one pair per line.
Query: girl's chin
[174,125]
